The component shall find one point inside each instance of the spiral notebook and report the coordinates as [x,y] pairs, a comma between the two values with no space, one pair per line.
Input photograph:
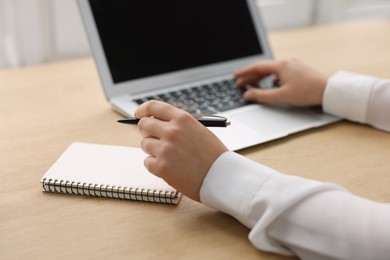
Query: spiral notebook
[107,171]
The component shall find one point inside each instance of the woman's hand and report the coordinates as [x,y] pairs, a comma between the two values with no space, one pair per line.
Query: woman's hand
[181,150]
[299,85]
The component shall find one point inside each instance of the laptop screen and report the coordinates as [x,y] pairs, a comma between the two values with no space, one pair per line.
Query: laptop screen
[146,38]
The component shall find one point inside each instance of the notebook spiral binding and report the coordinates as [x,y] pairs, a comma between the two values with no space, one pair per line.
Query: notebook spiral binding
[117,192]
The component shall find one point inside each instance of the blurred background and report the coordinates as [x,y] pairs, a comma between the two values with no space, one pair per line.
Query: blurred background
[38,31]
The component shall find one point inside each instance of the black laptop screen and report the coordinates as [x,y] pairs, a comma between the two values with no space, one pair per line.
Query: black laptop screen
[145,38]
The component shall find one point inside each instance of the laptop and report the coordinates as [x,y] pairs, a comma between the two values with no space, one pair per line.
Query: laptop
[184,53]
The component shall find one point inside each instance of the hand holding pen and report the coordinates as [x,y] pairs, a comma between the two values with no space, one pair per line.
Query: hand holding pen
[180,150]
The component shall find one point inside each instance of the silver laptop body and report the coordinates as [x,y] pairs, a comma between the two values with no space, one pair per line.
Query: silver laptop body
[150,48]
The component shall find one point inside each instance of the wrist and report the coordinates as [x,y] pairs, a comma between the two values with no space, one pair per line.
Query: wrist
[322,83]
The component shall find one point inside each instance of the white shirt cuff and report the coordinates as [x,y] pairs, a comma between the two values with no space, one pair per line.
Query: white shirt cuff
[234,184]
[347,95]
[231,183]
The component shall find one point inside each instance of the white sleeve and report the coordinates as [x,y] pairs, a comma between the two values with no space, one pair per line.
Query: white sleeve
[294,216]
[256,195]
[335,225]
[359,98]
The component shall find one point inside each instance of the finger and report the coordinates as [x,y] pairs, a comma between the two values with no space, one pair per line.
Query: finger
[266,96]
[151,126]
[157,109]
[248,80]
[262,68]
[150,145]
[150,163]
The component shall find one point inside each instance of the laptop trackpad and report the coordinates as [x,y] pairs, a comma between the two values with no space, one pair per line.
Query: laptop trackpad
[256,124]
[274,120]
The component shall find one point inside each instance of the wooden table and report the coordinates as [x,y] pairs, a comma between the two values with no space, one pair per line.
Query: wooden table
[45,108]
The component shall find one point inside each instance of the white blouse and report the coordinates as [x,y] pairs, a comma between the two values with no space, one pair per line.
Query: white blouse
[282,211]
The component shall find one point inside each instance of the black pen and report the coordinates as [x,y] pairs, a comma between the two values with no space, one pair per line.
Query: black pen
[206,120]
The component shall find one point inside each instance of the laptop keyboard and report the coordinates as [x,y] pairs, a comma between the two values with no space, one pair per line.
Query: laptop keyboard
[205,99]
[209,98]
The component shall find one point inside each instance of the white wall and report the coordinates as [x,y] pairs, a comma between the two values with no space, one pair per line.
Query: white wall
[24,32]
[331,11]
[37,31]
[285,14]
[69,39]
[2,58]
